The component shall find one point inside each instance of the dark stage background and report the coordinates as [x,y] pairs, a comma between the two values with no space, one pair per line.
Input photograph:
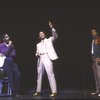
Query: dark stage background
[72,20]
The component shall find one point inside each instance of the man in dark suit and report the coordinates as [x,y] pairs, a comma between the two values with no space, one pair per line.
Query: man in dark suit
[96,60]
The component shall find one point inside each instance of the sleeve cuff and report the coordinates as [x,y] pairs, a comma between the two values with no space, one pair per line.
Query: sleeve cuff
[53,29]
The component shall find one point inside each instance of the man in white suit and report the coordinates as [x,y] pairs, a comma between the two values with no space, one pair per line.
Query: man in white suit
[45,53]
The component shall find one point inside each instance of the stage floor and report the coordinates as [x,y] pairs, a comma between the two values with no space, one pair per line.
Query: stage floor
[62,94]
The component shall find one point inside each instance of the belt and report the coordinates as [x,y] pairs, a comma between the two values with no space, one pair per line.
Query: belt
[43,53]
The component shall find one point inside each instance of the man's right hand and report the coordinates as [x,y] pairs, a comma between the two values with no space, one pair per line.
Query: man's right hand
[10,43]
[37,54]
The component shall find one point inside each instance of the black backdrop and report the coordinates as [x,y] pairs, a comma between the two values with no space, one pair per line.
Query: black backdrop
[72,20]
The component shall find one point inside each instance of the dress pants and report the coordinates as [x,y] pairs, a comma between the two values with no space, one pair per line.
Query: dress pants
[44,62]
[96,69]
[11,69]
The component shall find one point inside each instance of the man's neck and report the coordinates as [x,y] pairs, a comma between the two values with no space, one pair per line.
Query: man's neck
[43,39]
[94,37]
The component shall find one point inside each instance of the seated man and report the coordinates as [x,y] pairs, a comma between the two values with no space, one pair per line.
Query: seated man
[10,67]
[2,59]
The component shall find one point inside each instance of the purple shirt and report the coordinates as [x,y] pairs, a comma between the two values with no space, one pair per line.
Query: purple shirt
[8,51]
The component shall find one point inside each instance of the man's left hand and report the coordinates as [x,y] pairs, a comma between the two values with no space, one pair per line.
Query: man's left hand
[50,24]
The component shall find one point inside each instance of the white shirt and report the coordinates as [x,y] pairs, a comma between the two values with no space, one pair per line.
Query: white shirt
[2,59]
[43,47]
[92,50]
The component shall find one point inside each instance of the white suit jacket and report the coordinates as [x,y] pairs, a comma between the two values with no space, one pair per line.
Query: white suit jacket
[49,46]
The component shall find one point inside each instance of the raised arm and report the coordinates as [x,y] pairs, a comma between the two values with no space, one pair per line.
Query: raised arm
[54,33]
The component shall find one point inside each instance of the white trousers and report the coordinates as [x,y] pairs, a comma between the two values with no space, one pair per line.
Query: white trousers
[46,63]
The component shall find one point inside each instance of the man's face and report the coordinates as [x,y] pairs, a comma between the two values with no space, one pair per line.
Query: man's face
[41,35]
[6,38]
[93,32]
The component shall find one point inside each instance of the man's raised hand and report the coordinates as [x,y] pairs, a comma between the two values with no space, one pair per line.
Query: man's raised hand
[50,24]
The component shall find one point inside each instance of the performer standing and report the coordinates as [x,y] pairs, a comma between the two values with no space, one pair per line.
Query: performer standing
[10,67]
[45,54]
[96,60]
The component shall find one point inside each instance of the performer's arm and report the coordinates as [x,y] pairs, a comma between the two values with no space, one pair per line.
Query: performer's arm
[37,53]
[10,51]
[54,33]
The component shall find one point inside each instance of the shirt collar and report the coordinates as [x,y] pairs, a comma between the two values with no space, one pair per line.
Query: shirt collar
[6,44]
[43,40]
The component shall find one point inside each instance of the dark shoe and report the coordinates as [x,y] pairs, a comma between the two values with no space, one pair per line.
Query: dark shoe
[36,94]
[53,95]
